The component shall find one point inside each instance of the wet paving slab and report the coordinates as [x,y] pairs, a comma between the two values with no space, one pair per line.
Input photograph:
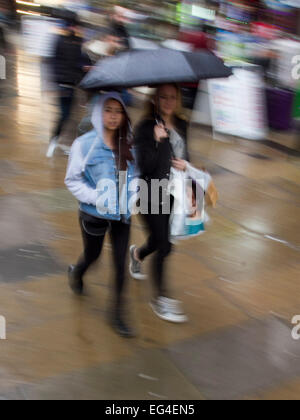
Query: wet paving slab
[9,169]
[147,375]
[53,201]
[19,264]
[20,223]
[234,363]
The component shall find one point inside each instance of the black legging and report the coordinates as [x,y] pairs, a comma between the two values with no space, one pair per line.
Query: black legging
[93,234]
[159,242]
[66,100]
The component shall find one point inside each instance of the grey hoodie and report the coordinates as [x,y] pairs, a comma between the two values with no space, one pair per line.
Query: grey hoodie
[75,180]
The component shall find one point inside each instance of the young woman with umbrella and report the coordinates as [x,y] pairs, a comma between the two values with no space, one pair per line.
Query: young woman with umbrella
[99,172]
[161,150]
[160,142]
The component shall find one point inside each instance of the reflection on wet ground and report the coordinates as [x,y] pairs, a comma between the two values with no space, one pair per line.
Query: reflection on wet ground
[239,281]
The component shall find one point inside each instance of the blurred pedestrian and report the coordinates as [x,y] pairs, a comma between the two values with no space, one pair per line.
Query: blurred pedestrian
[198,41]
[3,26]
[109,45]
[69,66]
[103,154]
[117,24]
[160,139]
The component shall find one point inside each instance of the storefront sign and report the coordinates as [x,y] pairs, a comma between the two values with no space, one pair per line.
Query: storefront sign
[238,105]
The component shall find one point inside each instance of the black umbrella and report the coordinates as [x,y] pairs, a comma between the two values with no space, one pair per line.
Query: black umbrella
[152,67]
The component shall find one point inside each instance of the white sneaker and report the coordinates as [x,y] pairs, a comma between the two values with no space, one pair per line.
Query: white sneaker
[169,310]
[52,146]
[135,267]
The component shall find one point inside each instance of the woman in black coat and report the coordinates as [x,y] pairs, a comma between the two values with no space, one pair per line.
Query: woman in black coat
[160,143]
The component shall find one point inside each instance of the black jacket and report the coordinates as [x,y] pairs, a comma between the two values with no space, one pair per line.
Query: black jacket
[68,61]
[154,158]
[120,31]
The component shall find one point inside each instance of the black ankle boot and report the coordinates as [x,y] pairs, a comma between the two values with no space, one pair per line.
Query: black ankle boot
[75,281]
[121,327]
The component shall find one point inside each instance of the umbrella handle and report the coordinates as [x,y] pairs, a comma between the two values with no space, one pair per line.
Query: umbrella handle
[157,118]
[159,121]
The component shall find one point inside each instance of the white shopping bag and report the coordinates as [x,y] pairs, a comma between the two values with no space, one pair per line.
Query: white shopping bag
[188,216]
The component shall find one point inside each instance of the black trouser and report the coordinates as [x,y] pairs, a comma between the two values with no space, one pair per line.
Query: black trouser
[3,43]
[159,242]
[93,234]
[66,99]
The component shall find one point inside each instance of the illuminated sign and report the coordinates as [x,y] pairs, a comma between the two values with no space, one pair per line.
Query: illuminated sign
[203,13]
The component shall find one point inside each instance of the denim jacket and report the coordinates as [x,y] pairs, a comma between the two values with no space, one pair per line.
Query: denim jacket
[93,177]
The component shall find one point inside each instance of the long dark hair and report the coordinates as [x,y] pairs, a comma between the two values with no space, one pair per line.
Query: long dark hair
[123,143]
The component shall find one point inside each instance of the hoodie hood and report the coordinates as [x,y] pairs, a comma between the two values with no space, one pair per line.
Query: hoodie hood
[97,115]
[97,121]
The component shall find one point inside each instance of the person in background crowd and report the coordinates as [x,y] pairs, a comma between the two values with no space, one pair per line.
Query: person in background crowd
[107,45]
[198,40]
[97,49]
[3,24]
[69,66]
[118,27]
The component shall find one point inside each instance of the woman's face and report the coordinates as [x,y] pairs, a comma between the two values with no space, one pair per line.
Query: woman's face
[167,100]
[191,202]
[113,115]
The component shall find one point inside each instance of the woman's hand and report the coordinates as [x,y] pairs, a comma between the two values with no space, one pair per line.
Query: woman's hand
[160,133]
[179,164]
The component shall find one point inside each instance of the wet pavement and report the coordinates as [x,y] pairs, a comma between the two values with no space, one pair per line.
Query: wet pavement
[239,281]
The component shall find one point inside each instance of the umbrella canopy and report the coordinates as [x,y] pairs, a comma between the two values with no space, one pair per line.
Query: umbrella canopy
[153,67]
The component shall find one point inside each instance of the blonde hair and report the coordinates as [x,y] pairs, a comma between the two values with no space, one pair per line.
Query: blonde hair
[152,107]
